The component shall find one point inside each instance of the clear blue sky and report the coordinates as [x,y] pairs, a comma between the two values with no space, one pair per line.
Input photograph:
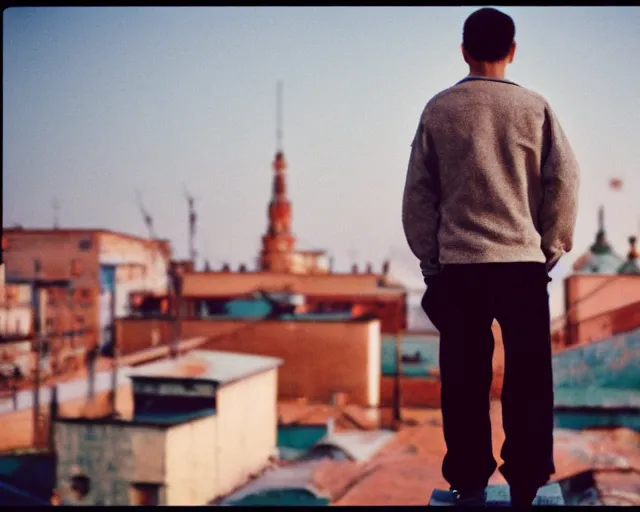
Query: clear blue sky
[101,101]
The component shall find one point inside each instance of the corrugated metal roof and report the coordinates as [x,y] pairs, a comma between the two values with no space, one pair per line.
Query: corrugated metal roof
[208,365]
[358,446]
[295,476]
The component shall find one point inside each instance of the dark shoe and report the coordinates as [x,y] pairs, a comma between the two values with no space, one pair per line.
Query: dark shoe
[473,498]
[523,497]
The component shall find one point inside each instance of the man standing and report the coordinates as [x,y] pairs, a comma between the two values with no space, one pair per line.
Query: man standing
[490,205]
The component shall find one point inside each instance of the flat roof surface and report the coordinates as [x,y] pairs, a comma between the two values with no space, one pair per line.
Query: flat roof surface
[208,365]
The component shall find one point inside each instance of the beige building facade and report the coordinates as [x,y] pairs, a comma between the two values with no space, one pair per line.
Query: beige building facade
[200,427]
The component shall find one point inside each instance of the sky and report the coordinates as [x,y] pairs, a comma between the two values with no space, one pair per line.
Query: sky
[101,102]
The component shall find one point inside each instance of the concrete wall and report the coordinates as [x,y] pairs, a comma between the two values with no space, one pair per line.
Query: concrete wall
[321,358]
[192,462]
[142,265]
[247,428]
[112,455]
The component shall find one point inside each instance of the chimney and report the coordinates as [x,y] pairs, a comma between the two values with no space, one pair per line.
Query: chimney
[242,268]
[385,267]
[354,268]
[369,268]
[226,268]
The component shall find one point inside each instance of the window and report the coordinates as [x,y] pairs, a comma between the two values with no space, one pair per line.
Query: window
[84,245]
[144,494]
[80,486]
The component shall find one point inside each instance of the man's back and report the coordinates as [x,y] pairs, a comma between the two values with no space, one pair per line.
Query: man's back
[495,155]
[488,135]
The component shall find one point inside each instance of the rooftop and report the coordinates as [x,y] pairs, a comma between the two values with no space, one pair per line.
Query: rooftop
[77,231]
[207,365]
[408,467]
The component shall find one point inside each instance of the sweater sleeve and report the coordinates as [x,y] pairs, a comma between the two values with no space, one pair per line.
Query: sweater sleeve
[560,184]
[420,207]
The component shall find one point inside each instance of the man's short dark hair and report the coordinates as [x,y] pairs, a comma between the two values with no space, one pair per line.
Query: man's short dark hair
[488,35]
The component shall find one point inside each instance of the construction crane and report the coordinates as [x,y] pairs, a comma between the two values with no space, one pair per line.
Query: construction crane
[148,219]
[192,225]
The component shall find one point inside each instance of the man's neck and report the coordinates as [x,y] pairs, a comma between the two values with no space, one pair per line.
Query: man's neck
[488,70]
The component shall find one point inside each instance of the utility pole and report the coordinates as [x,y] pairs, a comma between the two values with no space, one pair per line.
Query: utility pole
[176,278]
[116,363]
[192,225]
[397,414]
[53,415]
[38,299]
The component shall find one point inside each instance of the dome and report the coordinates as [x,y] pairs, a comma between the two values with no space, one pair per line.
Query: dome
[600,259]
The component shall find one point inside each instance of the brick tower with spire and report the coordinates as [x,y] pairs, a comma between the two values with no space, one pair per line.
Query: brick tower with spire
[278,242]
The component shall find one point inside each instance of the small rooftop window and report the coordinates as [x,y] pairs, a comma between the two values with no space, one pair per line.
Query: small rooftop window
[84,244]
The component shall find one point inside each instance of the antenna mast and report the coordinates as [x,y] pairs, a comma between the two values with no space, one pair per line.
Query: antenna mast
[192,225]
[56,211]
[148,219]
[279,117]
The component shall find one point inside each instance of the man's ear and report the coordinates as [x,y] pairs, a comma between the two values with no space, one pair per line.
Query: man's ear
[465,55]
[512,52]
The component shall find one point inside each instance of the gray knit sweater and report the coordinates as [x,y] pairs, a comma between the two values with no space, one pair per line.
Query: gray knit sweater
[491,178]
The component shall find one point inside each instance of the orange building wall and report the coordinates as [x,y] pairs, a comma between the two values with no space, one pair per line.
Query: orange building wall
[321,358]
[55,250]
[414,392]
[58,252]
[589,298]
[231,284]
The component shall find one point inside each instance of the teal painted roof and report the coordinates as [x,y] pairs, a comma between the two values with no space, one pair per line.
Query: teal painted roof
[596,397]
[171,418]
[425,347]
[300,437]
[247,308]
[611,363]
[629,267]
[603,263]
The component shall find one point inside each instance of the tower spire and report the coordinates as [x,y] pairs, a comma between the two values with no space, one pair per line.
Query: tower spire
[601,219]
[279,117]
[278,242]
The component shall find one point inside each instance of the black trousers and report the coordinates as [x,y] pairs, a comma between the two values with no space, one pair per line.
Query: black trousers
[462,303]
